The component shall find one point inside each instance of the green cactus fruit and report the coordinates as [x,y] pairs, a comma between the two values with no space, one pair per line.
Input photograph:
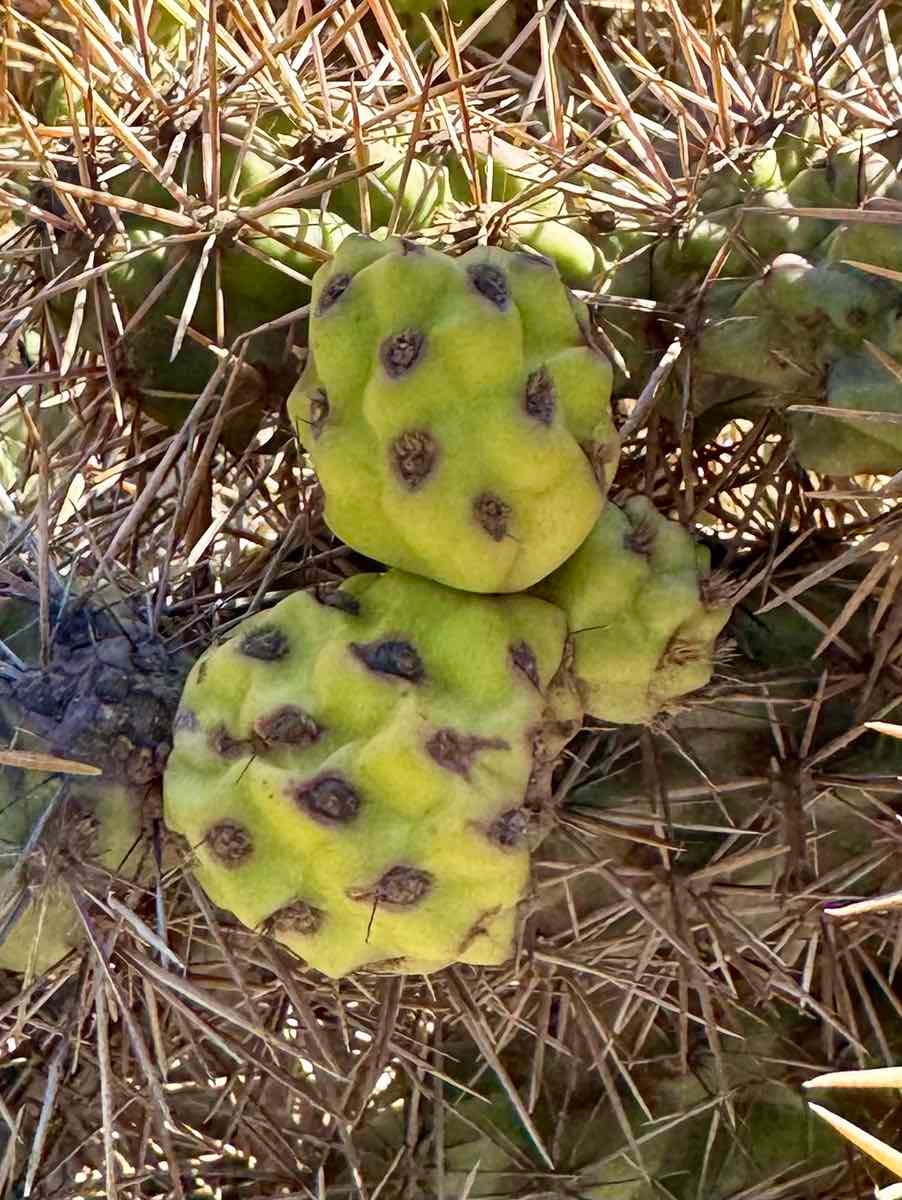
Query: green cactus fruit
[846,446]
[876,244]
[753,348]
[456,412]
[255,292]
[98,825]
[642,611]
[842,177]
[852,303]
[773,232]
[800,140]
[352,782]
[788,325]
[576,258]
[679,259]
[729,182]
[506,172]
[417,195]
[542,222]
[107,698]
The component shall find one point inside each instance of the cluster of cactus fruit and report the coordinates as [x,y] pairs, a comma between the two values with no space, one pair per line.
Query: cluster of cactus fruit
[360,772]
[365,771]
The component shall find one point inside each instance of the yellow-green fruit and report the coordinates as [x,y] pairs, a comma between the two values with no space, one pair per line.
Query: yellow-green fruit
[753,348]
[356,770]
[542,222]
[800,140]
[577,260]
[100,824]
[456,412]
[878,245]
[638,609]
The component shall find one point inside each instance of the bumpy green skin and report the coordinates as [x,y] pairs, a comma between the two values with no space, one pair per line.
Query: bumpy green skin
[545,226]
[800,323]
[643,633]
[352,774]
[455,411]
[424,190]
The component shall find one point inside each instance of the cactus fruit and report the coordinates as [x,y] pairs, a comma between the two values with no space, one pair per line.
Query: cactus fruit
[455,411]
[352,784]
[642,611]
[107,699]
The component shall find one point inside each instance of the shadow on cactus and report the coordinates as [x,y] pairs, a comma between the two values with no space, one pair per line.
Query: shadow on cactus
[86,812]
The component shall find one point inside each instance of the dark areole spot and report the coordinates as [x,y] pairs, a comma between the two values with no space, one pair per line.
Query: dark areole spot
[413,457]
[329,799]
[226,745]
[297,917]
[399,887]
[491,282]
[509,830]
[268,644]
[492,513]
[524,660]
[391,657]
[540,396]
[456,751]
[287,726]
[333,291]
[230,844]
[401,352]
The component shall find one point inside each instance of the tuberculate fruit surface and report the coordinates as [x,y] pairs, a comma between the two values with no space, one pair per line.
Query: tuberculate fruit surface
[642,610]
[107,699]
[792,317]
[456,412]
[357,771]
